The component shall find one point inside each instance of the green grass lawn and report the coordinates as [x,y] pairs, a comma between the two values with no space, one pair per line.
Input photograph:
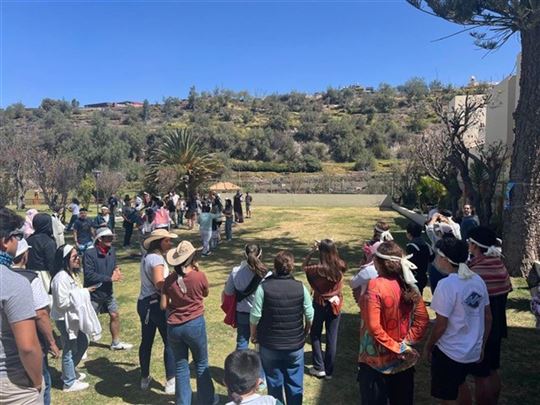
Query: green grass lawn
[114,376]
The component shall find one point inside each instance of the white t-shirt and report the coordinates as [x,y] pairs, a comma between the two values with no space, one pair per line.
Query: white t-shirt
[74,208]
[463,302]
[147,264]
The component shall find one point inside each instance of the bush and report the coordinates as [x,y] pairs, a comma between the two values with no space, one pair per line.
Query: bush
[308,164]
[365,161]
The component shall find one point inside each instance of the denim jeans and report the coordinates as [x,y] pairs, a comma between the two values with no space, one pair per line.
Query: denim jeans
[284,369]
[191,336]
[228,227]
[128,228]
[152,318]
[69,227]
[47,381]
[243,333]
[205,238]
[72,352]
[324,315]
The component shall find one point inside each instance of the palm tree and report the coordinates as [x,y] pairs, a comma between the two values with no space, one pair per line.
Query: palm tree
[177,161]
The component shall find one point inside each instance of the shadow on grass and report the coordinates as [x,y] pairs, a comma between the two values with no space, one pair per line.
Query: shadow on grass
[519,304]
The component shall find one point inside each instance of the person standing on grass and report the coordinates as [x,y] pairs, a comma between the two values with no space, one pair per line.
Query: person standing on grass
[205,227]
[113,206]
[103,218]
[280,320]
[242,282]
[83,231]
[393,319]
[242,369]
[486,262]
[461,329]
[238,214]
[182,296]
[249,200]
[63,285]
[162,220]
[100,269]
[21,376]
[74,207]
[129,215]
[326,280]
[43,321]
[41,256]
[154,271]
[228,212]
[420,252]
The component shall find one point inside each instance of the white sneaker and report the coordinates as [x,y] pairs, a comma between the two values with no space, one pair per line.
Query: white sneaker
[76,386]
[121,346]
[170,386]
[85,355]
[80,376]
[316,373]
[145,383]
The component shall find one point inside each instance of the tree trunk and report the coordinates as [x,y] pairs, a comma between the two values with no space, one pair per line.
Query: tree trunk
[522,219]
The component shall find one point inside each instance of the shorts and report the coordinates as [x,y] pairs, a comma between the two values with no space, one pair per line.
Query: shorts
[491,360]
[447,375]
[107,306]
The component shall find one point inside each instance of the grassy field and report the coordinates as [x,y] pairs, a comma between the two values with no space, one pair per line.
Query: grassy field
[114,376]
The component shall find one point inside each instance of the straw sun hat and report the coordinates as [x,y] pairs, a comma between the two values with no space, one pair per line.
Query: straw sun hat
[181,253]
[158,234]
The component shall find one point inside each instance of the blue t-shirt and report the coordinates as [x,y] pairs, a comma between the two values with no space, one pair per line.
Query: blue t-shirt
[84,230]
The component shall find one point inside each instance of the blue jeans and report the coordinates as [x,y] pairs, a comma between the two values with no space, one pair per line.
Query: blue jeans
[228,227]
[284,369]
[47,379]
[191,336]
[243,332]
[69,227]
[152,318]
[72,352]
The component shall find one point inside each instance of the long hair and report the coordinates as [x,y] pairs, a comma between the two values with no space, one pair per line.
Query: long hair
[62,263]
[253,253]
[190,261]
[383,225]
[333,266]
[392,270]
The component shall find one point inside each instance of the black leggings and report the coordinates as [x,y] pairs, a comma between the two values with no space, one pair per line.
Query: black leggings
[381,389]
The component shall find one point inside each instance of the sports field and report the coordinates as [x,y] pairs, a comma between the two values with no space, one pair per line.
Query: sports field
[114,376]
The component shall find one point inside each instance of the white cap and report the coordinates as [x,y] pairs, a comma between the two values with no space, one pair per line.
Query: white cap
[101,232]
[67,250]
[22,246]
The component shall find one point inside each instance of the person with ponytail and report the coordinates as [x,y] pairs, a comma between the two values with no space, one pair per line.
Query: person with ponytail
[242,282]
[487,262]
[182,296]
[242,368]
[459,335]
[381,232]
[393,319]
[326,280]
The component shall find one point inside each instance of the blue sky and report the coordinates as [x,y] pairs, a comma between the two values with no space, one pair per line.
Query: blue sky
[131,50]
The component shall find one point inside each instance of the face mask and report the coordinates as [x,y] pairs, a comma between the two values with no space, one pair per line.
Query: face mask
[6,259]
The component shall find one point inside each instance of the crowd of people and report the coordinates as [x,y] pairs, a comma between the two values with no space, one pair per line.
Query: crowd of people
[71,284]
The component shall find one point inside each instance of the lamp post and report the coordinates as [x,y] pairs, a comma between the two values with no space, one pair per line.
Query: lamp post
[96,174]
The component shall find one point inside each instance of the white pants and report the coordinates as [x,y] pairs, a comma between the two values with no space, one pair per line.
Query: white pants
[205,238]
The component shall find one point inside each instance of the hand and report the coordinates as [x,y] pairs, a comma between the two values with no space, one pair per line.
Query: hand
[410,354]
[54,351]
[39,387]
[254,340]
[91,289]
[117,275]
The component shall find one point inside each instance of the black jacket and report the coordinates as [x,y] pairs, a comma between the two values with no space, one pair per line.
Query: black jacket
[41,255]
[99,268]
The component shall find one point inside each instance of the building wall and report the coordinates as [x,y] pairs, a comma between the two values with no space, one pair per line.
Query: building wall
[476,134]
[500,122]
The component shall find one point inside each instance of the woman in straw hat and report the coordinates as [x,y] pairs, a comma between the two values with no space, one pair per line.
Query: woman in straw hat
[182,295]
[154,270]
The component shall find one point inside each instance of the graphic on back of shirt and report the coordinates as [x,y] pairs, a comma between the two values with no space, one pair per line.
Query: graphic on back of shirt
[472,298]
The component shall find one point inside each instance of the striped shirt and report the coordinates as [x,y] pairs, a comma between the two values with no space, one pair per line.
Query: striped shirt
[493,272]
